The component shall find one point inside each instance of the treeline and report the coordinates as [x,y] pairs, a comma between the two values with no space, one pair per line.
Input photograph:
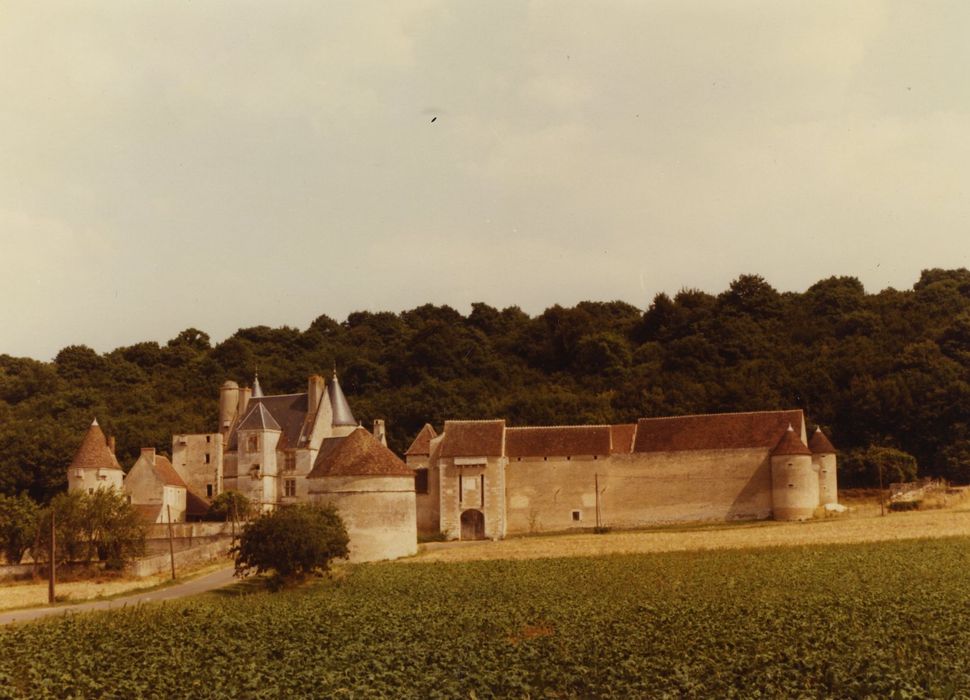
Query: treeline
[890,369]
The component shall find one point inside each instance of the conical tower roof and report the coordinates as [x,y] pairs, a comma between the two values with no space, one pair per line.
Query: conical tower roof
[790,444]
[422,443]
[819,444]
[94,452]
[357,454]
[257,389]
[342,415]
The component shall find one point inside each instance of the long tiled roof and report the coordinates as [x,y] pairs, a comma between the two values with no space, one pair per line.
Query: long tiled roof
[94,452]
[820,444]
[716,431]
[622,437]
[357,454]
[557,441]
[422,443]
[473,438]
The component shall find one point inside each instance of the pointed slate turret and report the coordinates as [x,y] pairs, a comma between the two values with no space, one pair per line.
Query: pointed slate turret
[790,444]
[421,447]
[257,389]
[819,444]
[259,418]
[94,452]
[342,415]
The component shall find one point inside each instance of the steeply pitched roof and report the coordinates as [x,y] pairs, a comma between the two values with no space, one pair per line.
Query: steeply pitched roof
[288,410]
[422,443]
[148,512]
[819,443]
[622,437]
[257,389]
[166,472]
[357,454]
[342,415]
[557,441]
[715,431]
[473,438]
[94,452]
[259,418]
[195,505]
[791,444]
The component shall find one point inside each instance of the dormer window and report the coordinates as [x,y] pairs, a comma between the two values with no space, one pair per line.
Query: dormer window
[254,472]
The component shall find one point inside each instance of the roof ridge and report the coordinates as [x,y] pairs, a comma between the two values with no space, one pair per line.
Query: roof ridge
[275,396]
[725,413]
[558,427]
[475,420]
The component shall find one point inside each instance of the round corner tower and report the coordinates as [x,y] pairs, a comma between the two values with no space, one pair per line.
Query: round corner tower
[794,479]
[823,456]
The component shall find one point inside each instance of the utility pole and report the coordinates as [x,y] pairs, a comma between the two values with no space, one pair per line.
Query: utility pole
[171,540]
[51,575]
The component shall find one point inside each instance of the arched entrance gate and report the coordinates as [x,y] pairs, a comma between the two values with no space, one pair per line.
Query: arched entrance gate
[473,525]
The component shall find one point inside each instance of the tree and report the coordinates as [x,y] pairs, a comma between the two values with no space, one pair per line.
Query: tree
[18,526]
[862,467]
[293,542]
[230,505]
[100,525]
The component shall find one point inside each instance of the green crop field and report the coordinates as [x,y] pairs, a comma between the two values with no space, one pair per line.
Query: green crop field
[845,621]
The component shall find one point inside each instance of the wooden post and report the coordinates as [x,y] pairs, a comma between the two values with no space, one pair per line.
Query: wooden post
[51,578]
[597,477]
[171,540]
[882,495]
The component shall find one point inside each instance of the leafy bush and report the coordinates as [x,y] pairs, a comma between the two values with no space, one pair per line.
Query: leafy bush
[18,526]
[230,505]
[900,506]
[861,467]
[293,542]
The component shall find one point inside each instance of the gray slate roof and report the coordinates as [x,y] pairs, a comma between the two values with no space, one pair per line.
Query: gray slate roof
[259,418]
[342,415]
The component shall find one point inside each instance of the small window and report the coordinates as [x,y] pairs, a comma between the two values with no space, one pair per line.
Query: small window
[208,438]
[253,443]
[289,461]
[102,477]
[208,457]
[254,472]
[289,488]
[421,481]
[208,490]
[577,516]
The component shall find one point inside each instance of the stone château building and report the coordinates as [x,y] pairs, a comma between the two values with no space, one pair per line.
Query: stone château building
[484,479]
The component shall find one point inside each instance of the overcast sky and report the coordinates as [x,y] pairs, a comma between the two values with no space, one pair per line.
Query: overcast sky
[221,165]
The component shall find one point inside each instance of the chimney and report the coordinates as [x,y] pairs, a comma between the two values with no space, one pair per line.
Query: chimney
[111,443]
[244,395]
[148,452]
[228,404]
[379,432]
[315,389]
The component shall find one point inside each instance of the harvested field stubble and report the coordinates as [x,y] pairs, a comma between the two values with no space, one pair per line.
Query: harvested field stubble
[842,621]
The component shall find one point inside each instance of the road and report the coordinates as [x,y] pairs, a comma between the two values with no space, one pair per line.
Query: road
[209,582]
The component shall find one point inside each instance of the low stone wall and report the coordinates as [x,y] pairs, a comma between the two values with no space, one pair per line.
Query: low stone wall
[209,551]
[186,536]
[8,571]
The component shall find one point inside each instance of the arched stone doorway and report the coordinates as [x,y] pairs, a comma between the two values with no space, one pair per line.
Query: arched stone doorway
[473,525]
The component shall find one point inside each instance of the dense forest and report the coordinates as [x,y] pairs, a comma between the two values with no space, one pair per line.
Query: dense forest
[888,370]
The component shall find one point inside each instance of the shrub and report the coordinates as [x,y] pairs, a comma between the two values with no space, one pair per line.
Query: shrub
[861,467]
[18,526]
[230,505]
[899,506]
[293,542]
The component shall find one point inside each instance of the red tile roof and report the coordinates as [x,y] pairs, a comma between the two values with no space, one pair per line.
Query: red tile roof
[166,472]
[716,431]
[149,512]
[622,437]
[791,444]
[820,444]
[357,454]
[94,452]
[195,505]
[473,438]
[557,441]
[422,443]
